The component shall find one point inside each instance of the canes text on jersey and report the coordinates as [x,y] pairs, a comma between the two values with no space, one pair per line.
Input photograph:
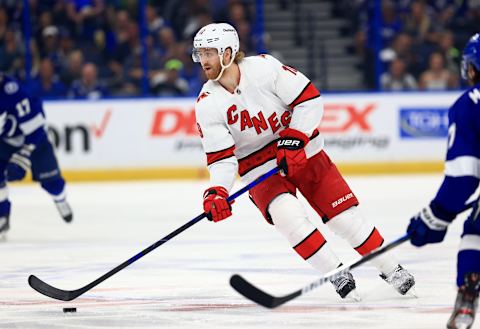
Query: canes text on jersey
[258,122]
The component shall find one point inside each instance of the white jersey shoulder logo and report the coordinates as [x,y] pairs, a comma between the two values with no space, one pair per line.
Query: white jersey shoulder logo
[11,87]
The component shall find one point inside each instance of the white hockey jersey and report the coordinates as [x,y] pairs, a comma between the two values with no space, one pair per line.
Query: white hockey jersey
[239,130]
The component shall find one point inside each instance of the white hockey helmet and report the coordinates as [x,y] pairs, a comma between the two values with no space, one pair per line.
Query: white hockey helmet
[216,35]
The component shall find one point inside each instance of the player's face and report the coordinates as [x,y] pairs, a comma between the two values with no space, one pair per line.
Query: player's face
[210,62]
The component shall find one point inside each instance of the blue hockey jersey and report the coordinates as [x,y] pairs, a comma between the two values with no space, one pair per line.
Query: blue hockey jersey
[22,120]
[462,165]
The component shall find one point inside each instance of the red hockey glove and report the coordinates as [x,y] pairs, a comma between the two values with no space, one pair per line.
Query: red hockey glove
[215,203]
[291,155]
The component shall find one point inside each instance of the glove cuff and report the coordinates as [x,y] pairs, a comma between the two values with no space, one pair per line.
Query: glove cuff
[218,190]
[295,134]
[428,216]
[441,213]
[290,132]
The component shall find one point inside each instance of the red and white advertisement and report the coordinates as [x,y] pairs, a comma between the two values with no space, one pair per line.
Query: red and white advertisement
[150,133]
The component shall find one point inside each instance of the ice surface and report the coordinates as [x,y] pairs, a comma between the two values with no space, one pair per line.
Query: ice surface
[184,283]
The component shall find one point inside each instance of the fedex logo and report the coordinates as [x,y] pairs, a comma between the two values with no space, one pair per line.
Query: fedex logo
[343,117]
[337,118]
[171,121]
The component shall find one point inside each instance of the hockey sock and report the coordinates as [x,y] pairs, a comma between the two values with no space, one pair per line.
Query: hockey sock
[468,258]
[291,221]
[4,203]
[56,188]
[362,236]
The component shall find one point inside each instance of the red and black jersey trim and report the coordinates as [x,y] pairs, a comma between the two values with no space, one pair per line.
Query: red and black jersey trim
[257,158]
[308,93]
[374,241]
[310,245]
[213,157]
[261,156]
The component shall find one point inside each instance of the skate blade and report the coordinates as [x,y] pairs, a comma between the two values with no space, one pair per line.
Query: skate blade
[412,292]
[353,296]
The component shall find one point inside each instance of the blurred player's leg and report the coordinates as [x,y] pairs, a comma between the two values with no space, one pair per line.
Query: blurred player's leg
[5,153]
[468,277]
[291,221]
[56,188]
[4,210]
[45,170]
[466,303]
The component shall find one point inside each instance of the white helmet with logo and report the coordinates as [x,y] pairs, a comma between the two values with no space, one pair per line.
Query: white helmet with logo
[219,36]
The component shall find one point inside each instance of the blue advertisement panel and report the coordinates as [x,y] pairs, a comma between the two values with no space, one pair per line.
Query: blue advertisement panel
[423,122]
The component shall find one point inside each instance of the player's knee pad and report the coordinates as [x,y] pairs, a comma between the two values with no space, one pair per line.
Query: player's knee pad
[290,218]
[351,226]
[55,187]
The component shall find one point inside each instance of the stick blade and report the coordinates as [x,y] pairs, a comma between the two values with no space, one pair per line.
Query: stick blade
[245,288]
[49,291]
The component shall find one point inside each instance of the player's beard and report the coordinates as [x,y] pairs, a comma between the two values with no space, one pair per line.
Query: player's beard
[213,72]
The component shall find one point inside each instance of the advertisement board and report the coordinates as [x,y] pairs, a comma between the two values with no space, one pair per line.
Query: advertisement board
[141,134]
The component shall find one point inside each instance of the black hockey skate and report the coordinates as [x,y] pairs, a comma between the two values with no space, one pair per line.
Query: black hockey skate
[4,227]
[65,210]
[466,303]
[344,284]
[400,279]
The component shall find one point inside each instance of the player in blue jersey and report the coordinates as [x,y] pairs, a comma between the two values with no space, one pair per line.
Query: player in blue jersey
[24,146]
[462,177]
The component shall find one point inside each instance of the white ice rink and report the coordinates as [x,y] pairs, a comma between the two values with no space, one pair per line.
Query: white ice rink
[184,283]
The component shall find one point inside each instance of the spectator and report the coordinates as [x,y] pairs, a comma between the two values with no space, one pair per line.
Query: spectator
[50,45]
[3,23]
[418,23]
[10,54]
[169,82]
[72,70]
[166,41]
[397,79]
[85,15]
[391,23]
[88,87]
[116,82]
[437,77]
[401,47]
[47,84]
[452,54]
[134,67]
[199,19]
[154,21]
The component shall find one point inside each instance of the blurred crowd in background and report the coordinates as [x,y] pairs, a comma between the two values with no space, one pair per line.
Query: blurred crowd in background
[92,48]
[421,41]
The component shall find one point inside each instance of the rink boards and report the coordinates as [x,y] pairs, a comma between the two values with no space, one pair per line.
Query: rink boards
[158,138]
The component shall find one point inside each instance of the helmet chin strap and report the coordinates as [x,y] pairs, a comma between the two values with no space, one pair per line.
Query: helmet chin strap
[223,66]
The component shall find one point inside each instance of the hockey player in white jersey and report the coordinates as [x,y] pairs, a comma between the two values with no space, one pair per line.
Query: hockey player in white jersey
[255,113]
[462,177]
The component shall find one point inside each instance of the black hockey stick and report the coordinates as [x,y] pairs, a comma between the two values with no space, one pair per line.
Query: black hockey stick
[253,293]
[67,295]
